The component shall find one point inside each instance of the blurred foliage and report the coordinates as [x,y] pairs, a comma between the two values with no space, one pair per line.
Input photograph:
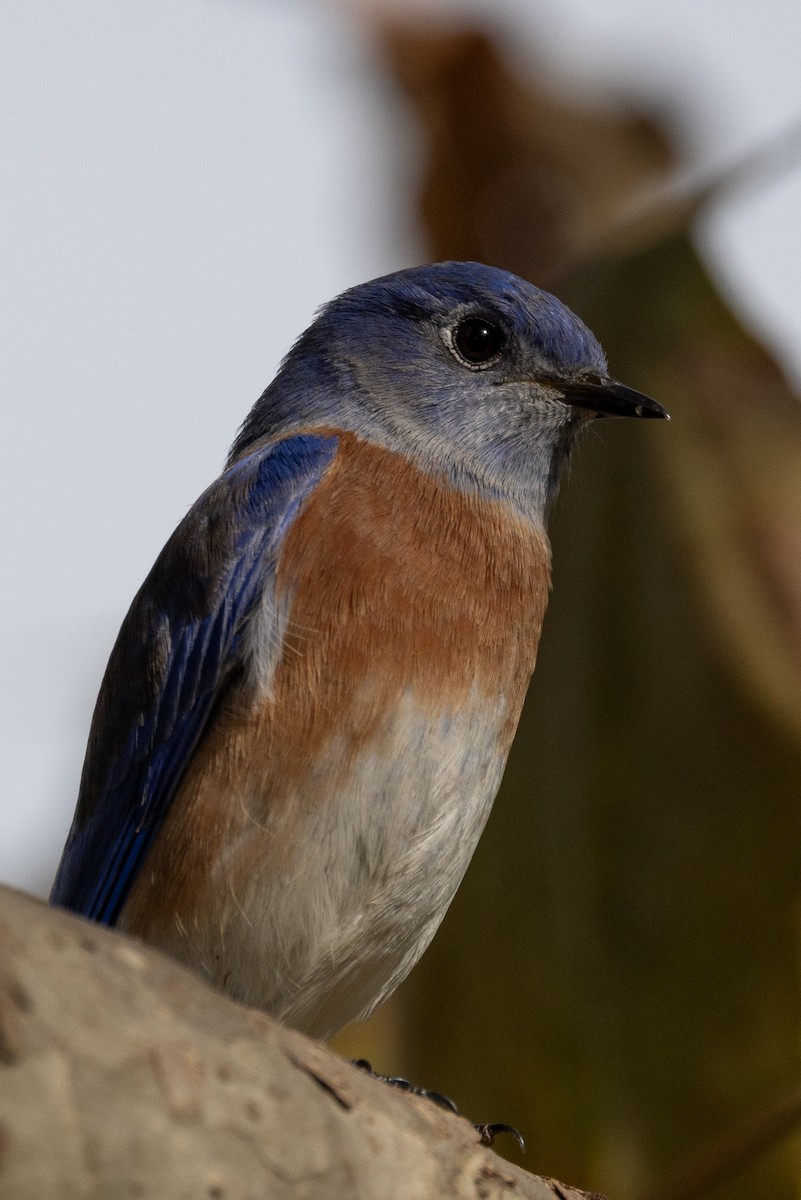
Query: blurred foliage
[619,973]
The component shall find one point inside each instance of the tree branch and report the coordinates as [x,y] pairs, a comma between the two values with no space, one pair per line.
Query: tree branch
[121,1073]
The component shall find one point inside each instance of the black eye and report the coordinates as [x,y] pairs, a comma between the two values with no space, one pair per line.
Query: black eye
[478,341]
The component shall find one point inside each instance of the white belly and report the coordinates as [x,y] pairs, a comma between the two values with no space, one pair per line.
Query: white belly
[324,937]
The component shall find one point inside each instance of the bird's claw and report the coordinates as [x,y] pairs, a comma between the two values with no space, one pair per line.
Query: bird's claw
[488,1134]
[438,1098]
[403,1085]
[363,1065]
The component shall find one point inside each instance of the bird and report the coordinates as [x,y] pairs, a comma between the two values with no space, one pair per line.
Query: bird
[305,718]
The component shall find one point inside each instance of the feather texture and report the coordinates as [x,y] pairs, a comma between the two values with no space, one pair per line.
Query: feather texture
[414,616]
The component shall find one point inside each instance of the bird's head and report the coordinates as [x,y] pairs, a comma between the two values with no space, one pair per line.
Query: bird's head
[466,369]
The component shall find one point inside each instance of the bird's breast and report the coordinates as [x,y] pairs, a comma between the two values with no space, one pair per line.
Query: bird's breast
[393,580]
[349,776]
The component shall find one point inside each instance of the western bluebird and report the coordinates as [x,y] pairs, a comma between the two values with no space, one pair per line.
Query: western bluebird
[306,715]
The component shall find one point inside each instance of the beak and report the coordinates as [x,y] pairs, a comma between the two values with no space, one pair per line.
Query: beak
[607,397]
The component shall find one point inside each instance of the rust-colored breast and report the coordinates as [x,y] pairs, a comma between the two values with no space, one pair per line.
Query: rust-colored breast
[395,584]
[399,581]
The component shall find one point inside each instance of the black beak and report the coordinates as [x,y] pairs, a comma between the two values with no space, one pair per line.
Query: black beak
[607,397]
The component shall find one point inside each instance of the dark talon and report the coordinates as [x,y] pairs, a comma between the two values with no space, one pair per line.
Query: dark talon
[403,1085]
[395,1081]
[438,1098]
[488,1134]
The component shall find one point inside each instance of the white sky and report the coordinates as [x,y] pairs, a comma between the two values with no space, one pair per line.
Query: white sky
[185,181]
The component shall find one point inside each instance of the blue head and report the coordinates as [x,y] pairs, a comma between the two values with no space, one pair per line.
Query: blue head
[464,368]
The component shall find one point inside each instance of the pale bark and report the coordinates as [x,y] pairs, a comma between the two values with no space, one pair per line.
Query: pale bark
[121,1074]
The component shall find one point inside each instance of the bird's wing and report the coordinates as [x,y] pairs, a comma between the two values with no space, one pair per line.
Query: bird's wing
[179,647]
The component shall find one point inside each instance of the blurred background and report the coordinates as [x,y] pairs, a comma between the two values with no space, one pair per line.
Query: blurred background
[185,183]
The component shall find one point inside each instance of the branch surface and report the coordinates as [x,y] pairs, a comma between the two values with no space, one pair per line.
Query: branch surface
[122,1074]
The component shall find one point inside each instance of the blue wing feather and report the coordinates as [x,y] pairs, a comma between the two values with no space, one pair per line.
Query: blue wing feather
[177,650]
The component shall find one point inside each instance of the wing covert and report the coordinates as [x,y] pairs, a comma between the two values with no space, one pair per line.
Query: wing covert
[178,648]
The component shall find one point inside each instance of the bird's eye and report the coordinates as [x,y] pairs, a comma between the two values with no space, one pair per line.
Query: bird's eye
[478,342]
